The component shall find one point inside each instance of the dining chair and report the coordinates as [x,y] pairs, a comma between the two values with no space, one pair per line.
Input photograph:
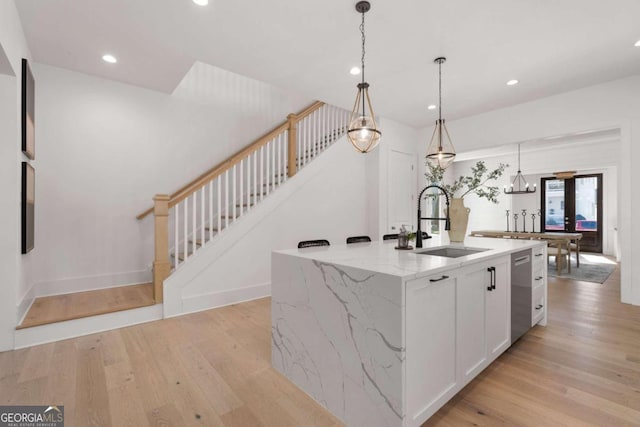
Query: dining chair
[358,239]
[311,243]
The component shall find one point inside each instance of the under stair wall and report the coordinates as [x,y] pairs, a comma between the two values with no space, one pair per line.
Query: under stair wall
[326,199]
[104,148]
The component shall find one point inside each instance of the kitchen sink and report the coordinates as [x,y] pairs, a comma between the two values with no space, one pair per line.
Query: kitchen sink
[450,251]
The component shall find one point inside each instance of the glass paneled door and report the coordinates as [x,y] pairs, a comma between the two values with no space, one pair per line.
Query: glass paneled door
[574,205]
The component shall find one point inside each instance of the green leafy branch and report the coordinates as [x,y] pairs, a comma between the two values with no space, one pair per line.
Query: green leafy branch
[475,183]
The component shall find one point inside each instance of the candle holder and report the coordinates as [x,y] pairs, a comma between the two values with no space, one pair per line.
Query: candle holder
[515,223]
[533,223]
[524,222]
[507,220]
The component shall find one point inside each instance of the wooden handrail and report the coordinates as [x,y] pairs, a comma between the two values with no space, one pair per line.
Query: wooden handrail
[221,168]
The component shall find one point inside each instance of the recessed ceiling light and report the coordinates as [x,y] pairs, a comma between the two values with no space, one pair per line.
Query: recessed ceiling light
[201,2]
[512,82]
[109,58]
[431,107]
[637,44]
[354,71]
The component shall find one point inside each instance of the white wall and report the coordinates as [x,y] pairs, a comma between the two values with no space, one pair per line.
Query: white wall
[395,136]
[610,105]
[14,48]
[104,150]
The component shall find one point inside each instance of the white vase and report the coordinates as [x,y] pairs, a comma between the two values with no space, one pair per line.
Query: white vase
[459,216]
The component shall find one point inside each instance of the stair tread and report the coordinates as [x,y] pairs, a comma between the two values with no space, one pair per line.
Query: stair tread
[61,308]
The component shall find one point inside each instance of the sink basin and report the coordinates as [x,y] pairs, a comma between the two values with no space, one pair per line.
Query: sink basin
[450,251]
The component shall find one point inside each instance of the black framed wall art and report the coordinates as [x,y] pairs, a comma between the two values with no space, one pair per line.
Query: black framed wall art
[28,109]
[28,207]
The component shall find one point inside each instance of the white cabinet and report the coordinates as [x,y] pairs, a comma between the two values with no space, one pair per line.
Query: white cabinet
[457,322]
[431,345]
[539,287]
[498,309]
[483,322]
[471,312]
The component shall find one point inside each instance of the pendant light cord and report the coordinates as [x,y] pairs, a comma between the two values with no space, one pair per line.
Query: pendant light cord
[362,61]
[363,39]
[518,158]
[440,90]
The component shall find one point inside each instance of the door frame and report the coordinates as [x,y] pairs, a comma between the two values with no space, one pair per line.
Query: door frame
[569,210]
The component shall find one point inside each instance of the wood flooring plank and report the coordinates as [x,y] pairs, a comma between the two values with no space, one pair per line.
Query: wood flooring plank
[213,369]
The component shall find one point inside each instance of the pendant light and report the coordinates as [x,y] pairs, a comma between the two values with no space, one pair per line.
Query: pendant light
[519,184]
[440,151]
[363,130]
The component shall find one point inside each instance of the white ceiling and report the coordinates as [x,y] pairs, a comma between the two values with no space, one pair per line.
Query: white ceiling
[308,46]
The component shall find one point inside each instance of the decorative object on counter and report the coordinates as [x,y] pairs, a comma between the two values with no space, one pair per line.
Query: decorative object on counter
[524,222]
[403,239]
[533,223]
[515,223]
[519,181]
[508,220]
[363,130]
[447,221]
[440,151]
[476,183]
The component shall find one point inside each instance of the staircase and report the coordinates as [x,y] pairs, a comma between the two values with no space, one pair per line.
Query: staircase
[192,217]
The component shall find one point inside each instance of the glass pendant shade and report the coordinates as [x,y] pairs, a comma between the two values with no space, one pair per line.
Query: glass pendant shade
[363,130]
[441,152]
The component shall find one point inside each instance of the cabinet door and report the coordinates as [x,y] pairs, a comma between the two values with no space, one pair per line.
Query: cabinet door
[499,309]
[430,345]
[470,315]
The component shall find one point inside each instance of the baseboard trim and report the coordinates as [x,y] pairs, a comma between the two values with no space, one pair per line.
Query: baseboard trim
[24,305]
[89,325]
[91,283]
[196,303]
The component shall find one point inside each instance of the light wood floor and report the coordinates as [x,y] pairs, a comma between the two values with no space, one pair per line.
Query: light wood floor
[212,369]
[58,308]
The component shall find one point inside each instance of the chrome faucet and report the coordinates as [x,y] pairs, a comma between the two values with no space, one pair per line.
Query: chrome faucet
[447,221]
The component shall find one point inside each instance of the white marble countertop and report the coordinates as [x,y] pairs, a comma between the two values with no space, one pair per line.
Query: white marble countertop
[381,257]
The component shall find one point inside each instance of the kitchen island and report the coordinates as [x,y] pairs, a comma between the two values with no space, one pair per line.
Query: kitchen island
[383,337]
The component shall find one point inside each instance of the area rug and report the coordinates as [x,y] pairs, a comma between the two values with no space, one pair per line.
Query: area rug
[588,271]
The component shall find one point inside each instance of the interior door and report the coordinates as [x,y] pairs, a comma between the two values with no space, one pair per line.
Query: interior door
[574,205]
[401,190]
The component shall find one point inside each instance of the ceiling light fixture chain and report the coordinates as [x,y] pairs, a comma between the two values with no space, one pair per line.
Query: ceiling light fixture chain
[363,130]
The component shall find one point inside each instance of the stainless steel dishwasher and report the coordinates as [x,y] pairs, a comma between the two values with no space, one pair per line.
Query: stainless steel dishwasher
[521,274]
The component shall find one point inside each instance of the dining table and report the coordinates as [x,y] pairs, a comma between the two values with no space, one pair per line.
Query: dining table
[561,238]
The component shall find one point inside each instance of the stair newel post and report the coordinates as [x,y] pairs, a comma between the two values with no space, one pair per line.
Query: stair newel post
[293,146]
[161,264]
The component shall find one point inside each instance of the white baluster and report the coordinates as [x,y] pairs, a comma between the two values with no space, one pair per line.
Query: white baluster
[233,187]
[219,203]
[279,159]
[211,210]
[202,221]
[241,187]
[274,172]
[249,179]
[314,125]
[268,169]
[226,198]
[176,237]
[261,188]
[325,120]
[194,214]
[285,153]
[186,229]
